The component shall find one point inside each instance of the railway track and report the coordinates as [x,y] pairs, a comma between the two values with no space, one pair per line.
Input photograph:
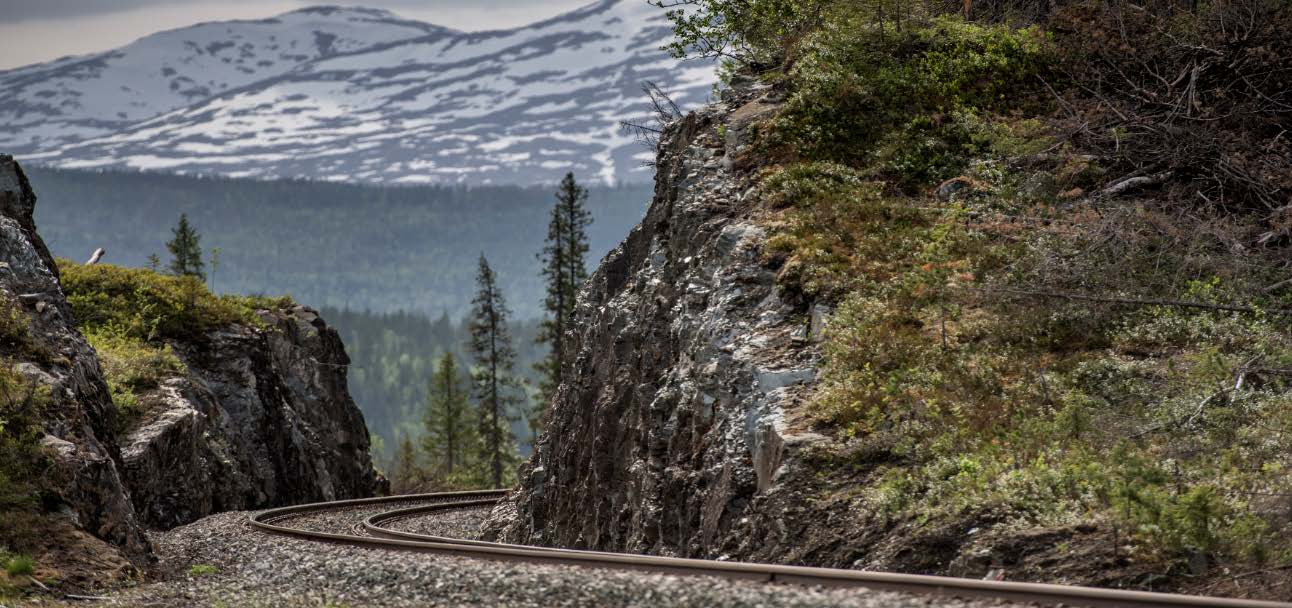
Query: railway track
[377,513]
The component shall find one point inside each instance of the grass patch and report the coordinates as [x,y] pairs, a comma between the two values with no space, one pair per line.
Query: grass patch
[16,339]
[132,367]
[1170,424]
[202,570]
[149,306]
[20,565]
[129,316]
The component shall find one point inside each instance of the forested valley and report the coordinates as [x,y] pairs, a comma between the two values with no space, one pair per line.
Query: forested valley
[398,292]
[328,244]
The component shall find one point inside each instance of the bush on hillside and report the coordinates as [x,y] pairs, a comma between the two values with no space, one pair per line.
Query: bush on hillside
[1053,344]
[22,460]
[149,306]
[905,104]
[130,314]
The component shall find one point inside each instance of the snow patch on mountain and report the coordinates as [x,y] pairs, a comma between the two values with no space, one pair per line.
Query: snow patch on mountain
[358,95]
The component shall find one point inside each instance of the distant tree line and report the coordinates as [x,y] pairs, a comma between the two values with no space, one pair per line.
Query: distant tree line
[328,244]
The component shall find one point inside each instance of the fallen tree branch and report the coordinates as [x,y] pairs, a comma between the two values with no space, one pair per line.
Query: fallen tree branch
[1248,573]
[1131,183]
[1274,287]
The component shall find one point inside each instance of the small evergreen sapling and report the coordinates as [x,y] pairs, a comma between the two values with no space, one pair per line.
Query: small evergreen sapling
[186,253]
[449,420]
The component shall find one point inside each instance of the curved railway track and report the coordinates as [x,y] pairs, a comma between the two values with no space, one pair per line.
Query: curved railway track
[371,531]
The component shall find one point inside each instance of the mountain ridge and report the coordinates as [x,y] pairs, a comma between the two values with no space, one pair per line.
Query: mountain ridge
[344,94]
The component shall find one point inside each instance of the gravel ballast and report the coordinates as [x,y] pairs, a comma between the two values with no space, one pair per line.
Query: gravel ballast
[260,569]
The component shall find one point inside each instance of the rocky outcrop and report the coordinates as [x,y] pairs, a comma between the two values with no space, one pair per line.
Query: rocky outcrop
[263,418]
[85,486]
[682,411]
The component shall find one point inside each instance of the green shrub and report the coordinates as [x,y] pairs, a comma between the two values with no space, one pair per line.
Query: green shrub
[16,339]
[22,460]
[1040,412]
[129,314]
[752,32]
[131,363]
[20,565]
[992,343]
[131,367]
[148,306]
[903,104]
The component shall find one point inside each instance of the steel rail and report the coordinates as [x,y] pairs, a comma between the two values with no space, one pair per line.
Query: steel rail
[382,537]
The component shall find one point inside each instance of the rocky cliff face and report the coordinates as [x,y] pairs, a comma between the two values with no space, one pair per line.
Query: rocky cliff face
[681,421]
[85,483]
[262,418]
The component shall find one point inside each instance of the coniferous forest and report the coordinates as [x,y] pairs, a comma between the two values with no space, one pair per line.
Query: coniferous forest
[398,292]
[328,244]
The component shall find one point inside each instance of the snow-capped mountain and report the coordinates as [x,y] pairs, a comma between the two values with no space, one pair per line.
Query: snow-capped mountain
[359,95]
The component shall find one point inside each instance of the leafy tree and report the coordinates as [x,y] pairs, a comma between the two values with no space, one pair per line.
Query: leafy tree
[186,253]
[494,384]
[744,32]
[564,270]
[448,421]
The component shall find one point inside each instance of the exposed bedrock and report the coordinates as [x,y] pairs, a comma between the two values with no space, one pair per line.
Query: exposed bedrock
[681,414]
[261,418]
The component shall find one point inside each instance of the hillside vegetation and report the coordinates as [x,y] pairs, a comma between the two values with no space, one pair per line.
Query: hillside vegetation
[129,316]
[1055,240]
[22,459]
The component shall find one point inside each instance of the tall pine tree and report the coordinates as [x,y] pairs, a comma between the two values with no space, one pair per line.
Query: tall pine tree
[493,381]
[564,270]
[186,254]
[449,421]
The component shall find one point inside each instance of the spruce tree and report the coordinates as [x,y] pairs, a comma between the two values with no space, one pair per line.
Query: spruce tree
[448,420]
[493,381]
[186,254]
[407,473]
[564,270]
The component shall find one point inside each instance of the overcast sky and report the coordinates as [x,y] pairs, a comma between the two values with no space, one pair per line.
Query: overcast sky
[39,30]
